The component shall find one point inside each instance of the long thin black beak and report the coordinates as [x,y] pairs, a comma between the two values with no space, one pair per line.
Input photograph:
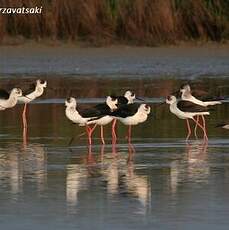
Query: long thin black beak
[140,99]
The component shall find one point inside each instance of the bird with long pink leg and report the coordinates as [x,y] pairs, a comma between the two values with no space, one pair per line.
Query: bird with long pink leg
[188,110]
[205,101]
[96,115]
[34,91]
[131,114]
[126,99]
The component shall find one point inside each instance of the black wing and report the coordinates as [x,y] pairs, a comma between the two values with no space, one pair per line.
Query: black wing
[126,110]
[121,99]
[205,96]
[188,106]
[29,90]
[4,94]
[96,111]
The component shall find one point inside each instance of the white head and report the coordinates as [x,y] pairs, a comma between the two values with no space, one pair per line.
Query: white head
[112,103]
[144,108]
[185,89]
[41,83]
[130,96]
[16,92]
[70,102]
[171,99]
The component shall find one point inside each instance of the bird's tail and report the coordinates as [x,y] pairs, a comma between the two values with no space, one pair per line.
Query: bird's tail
[222,125]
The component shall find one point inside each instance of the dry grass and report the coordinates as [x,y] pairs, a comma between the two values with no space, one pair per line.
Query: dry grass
[142,22]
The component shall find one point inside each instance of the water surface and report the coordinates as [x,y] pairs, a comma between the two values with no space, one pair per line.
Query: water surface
[158,182]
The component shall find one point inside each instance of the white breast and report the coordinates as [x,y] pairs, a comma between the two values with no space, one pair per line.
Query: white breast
[104,120]
[75,117]
[11,102]
[135,119]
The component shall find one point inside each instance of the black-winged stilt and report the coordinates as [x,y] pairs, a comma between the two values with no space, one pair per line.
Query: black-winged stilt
[9,100]
[127,98]
[34,91]
[97,115]
[186,95]
[131,114]
[187,110]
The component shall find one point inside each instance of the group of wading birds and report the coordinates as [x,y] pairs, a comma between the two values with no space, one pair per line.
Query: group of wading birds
[119,108]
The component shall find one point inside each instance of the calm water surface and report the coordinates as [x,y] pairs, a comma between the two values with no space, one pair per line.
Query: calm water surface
[158,182]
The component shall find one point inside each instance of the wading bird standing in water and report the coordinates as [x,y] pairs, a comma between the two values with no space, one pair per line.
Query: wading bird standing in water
[187,110]
[127,99]
[35,91]
[97,115]
[186,95]
[131,114]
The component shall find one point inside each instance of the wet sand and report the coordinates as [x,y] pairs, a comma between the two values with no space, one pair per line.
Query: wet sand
[180,61]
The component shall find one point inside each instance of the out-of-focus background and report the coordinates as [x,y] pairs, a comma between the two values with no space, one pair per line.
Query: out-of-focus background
[105,22]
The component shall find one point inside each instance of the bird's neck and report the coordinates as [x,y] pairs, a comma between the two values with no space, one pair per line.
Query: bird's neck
[173,107]
[39,90]
[12,99]
[186,95]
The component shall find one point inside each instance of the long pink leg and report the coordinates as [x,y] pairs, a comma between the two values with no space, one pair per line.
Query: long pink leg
[129,134]
[102,137]
[90,131]
[195,130]
[114,136]
[189,129]
[204,125]
[205,135]
[24,116]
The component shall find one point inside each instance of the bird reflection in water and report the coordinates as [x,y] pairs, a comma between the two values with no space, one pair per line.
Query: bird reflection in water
[115,173]
[198,166]
[193,166]
[19,165]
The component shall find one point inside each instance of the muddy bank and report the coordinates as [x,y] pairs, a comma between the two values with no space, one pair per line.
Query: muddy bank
[181,61]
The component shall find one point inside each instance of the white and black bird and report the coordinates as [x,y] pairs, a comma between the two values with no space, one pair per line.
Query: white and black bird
[97,115]
[131,114]
[9,100]
[187,110]
[186,95]
[127,98]
[34,91]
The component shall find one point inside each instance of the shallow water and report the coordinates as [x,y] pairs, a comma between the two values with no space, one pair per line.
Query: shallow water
[158,182]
